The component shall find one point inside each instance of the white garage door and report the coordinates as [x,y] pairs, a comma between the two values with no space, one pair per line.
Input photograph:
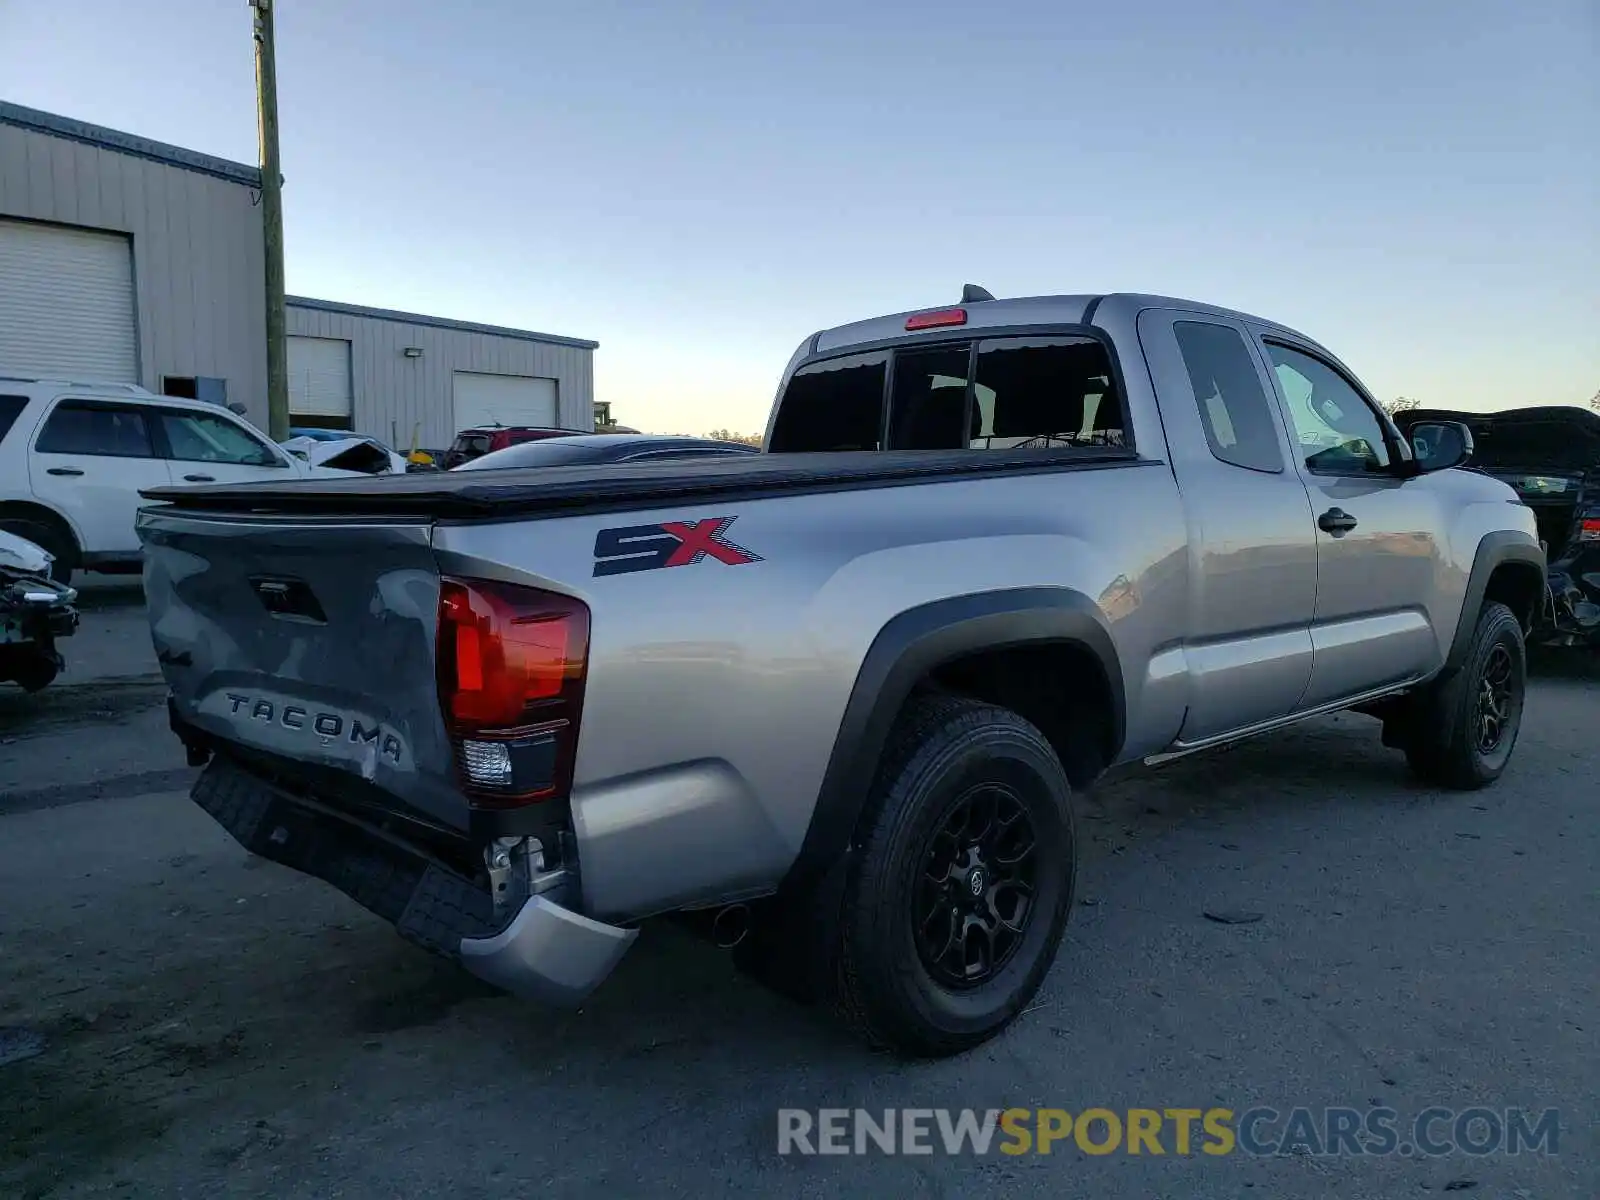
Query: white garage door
[503,400]
[66,303]
[319,377]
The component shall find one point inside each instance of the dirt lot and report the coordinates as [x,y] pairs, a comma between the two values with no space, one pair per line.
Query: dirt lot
[214,1025]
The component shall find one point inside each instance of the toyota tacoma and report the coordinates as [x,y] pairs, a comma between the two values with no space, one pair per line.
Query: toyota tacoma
[833,700]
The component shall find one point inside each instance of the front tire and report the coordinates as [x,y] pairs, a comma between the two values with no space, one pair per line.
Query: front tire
[1463,730]
[963,881]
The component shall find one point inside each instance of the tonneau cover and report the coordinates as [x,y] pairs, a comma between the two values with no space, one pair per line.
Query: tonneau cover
[515,491]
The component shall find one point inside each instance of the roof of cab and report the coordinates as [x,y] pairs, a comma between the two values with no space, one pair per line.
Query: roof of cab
[1023,310]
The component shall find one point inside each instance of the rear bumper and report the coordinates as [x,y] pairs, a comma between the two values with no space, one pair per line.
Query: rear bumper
[541,951]
[547,953]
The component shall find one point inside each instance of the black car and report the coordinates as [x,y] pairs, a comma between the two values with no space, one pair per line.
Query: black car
[1551,456]
[603,448]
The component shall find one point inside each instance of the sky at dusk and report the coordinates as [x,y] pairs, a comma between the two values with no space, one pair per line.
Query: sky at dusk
[699,186]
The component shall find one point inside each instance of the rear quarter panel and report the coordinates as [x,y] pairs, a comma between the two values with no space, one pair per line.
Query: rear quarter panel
[715,692]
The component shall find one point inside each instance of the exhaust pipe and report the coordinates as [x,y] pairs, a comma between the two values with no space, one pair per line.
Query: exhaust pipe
[730,926]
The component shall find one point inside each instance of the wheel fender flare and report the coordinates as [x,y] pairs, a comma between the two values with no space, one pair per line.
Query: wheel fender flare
[1495,549]
[905,650]
[41,513]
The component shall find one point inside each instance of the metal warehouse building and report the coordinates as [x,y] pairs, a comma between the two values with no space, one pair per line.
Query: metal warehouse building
[132,261]
[398,375]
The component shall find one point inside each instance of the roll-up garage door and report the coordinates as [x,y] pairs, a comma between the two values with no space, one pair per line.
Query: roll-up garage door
[319,379]
[503,400]
[66,303]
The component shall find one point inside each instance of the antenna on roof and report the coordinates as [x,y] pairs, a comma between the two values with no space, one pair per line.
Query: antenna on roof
[973,294]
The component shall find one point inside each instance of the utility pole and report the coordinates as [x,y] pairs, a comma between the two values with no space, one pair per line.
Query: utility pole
[272,221]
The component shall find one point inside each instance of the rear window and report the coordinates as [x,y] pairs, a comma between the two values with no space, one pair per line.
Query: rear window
[833,405]
[10,409]
[1044,392]
[929,402]
[1000,394]
[477,443]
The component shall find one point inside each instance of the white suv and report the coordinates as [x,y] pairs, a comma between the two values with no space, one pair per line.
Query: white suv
[74,456]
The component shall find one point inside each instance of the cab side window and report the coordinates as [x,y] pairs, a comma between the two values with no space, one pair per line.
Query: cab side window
[1338,432]
[1241,428]
[96,428]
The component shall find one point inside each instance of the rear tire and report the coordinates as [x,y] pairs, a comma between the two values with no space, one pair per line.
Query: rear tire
[1462,731]
[963,881]
[60,545]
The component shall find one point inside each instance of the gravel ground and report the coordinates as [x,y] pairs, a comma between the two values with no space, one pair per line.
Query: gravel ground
[214,1025]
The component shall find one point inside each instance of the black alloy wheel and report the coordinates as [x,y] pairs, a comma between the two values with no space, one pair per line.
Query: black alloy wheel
[1496,699]
[976,893]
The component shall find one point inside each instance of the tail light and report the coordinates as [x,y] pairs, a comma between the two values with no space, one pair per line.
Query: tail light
[1589,530]
[511,663]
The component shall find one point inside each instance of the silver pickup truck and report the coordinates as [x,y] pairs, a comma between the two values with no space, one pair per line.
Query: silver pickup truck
[833,700]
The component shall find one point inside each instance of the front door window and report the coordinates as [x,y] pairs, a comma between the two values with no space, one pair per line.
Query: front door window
[201,437]
[1339,434]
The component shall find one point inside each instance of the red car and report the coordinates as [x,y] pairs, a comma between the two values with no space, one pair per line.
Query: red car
[475,443]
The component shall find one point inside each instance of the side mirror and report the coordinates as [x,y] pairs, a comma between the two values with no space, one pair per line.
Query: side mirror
[1440,445]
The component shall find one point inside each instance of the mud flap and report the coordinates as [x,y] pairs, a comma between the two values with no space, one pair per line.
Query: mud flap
[794,938]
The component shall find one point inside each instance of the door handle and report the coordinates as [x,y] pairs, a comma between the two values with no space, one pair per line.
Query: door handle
[62,471]
[1336,522]
[200,478]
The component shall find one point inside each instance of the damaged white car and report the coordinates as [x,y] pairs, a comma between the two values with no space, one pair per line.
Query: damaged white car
[357,452]
[35,610]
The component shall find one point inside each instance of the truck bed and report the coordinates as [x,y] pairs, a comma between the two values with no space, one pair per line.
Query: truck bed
[530,491]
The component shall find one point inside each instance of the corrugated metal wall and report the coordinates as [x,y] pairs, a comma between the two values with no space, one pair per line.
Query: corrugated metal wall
[199,281]
[395,395]
[197,252]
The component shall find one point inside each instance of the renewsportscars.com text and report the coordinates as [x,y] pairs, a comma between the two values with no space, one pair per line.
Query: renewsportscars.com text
[1322,1132]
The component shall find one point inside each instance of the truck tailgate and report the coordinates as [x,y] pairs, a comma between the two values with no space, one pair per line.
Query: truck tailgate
[308,643]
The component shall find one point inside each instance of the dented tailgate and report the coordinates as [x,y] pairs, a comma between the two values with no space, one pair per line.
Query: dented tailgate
[311,642]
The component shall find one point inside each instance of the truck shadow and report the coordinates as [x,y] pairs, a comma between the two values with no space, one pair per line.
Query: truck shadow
[298,1015]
